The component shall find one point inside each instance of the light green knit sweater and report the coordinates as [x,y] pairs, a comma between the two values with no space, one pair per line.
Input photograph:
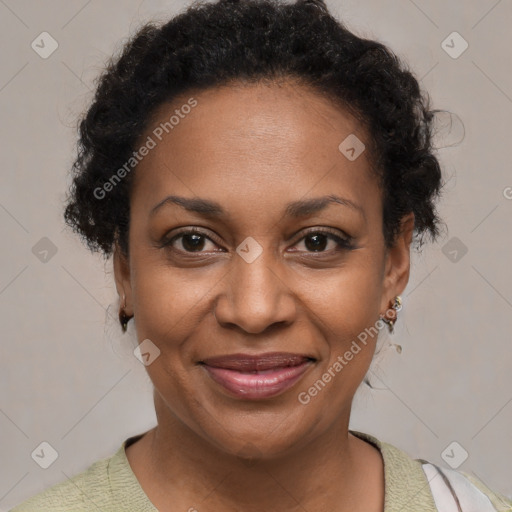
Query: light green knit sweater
[109,485]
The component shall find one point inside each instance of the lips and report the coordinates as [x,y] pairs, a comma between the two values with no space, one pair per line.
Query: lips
[254,363]
[256,377]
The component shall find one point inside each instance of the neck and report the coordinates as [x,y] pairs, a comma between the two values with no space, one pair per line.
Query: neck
[181,470]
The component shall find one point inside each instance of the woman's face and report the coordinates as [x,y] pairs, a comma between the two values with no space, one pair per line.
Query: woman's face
[264,274]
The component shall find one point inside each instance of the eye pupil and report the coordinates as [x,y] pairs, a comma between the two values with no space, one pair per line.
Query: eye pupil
[316,245]
[198,242]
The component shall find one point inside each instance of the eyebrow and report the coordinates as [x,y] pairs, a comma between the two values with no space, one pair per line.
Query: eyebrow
[301,208]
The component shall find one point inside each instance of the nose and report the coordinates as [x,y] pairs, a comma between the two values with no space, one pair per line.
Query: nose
[256,296]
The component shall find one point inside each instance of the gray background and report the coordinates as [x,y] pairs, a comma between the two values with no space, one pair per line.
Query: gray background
[68,375]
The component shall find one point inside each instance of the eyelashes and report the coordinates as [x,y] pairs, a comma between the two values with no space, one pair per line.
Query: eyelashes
[194,238]
[340,242]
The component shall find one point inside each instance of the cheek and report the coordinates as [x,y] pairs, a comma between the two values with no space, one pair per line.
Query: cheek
[348,301]
[167,308]
[347,318]
[168,301]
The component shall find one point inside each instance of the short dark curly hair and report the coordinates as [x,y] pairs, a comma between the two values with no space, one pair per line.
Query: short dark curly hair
[241,41]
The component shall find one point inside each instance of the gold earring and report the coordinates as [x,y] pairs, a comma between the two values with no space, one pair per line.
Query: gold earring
[396,306]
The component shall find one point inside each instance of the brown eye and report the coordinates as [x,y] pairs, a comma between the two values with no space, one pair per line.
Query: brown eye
[191,241]
[318,241]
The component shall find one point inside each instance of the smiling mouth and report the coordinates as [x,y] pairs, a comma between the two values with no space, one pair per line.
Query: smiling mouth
[253,377]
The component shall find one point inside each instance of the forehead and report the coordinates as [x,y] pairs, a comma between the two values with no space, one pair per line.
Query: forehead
[246,143]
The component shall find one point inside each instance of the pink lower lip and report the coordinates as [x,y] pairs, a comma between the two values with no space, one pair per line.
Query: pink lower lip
[253,386]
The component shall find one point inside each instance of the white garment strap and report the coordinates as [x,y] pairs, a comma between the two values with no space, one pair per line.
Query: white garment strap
[453,492]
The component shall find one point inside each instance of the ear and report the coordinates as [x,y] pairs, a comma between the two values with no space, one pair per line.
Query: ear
[122,278]
[398,263]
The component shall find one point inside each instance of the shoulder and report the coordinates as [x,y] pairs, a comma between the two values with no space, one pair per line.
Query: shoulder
[108,485]
[423,486]
[449,486]
[79,493]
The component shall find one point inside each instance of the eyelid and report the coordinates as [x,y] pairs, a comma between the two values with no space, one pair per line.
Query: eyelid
[342,239]
[323,230]
[168,240]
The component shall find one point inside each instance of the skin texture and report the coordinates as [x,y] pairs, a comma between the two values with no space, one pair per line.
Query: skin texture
[255,148]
